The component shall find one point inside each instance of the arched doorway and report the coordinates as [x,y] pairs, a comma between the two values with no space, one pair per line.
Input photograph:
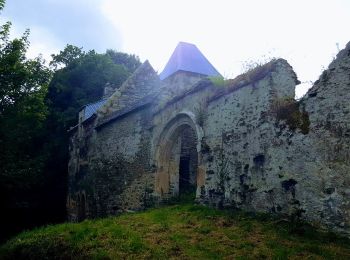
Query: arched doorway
[177,158]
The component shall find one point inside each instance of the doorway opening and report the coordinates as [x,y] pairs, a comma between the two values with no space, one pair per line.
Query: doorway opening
[81,207]
[188,162]
[177,159]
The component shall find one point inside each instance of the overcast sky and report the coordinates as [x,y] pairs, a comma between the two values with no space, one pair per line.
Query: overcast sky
[307,33]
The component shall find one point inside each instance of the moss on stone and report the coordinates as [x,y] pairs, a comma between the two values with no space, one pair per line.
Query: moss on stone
[289,110]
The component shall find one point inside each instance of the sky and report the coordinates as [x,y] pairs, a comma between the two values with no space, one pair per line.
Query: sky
[230,33]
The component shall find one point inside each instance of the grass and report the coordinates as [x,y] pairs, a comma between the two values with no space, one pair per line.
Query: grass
[183,231]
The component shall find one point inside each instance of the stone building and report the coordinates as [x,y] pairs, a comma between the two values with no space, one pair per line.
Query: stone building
[243,143]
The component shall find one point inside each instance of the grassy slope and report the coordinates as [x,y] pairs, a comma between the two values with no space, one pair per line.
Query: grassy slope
[180,231]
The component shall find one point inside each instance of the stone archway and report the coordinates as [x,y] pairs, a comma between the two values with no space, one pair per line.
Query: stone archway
[178,158]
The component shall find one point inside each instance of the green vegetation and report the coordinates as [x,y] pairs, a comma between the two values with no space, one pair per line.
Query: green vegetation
[82,80]
[23,86]
[38,104]
[184,231]
[288,110]
[219,81]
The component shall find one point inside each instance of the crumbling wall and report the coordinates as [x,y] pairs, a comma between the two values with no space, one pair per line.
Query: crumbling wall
[80,200]
[270,153]
[261,150]
[109,170]
[119,162]
[258,149]
[72,201]
[321,159]
[238,136]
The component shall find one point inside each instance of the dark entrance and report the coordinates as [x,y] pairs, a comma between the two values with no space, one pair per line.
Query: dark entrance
[185,185]
[188,162]
[177,159]
[81,208]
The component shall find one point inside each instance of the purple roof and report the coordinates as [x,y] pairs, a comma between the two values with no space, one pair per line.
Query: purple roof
[187,57]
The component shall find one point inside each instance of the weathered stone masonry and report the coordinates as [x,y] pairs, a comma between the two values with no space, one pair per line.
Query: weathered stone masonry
[247,145]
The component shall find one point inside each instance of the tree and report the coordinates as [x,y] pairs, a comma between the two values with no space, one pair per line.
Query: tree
[19,77]
[23,87]
[67,56]
[2,4]
[80,82]
[129,61]
[37,107]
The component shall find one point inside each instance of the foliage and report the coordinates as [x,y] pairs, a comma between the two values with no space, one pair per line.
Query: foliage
[219,81]
[19,76]
[182,231]
[23,86]
[2,4]
[288,110]
[129,61]
[80,82]
[36,110]
[66,56]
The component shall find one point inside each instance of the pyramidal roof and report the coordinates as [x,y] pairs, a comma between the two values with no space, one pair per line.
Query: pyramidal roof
[187,57]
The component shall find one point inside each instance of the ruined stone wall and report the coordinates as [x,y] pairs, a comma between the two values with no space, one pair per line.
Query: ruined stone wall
[260,150]
[117,175]
[238,134]
[260,162]
[71,203]
[80,200]
[319,161]
[109,168]
[257,148]
[120,163]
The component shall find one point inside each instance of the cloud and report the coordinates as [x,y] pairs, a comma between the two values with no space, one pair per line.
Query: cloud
[232,32]
[78,22]
[228,32]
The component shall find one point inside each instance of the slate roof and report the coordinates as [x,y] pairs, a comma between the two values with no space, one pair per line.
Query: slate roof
[187,57]
[91,108]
